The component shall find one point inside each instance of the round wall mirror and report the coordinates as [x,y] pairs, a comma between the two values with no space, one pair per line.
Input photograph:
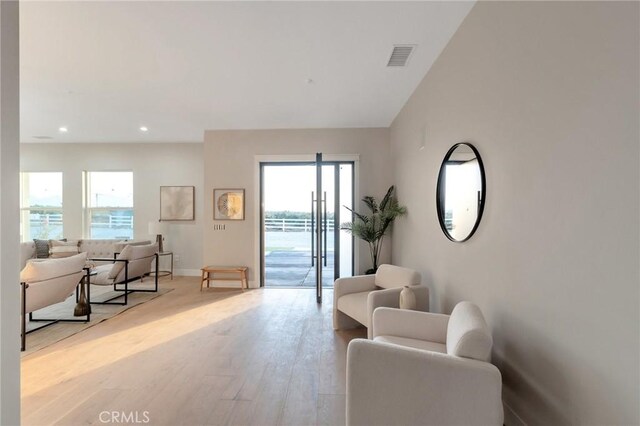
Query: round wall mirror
[461,192]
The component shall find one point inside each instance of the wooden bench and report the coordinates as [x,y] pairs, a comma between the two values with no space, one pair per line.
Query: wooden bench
[228,272]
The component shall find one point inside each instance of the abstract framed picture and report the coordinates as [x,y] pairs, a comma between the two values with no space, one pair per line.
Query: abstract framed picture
[228,204]
[177,202]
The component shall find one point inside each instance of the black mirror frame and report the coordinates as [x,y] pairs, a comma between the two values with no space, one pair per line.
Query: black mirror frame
[440,192]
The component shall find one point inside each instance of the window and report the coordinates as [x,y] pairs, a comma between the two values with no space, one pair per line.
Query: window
[109,204]
[40,206]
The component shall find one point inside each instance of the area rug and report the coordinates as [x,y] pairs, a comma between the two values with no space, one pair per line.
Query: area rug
[47,336]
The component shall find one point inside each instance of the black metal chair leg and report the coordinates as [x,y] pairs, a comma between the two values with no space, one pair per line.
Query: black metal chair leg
[126,283]
[88,284]
[157,270]
[23,308]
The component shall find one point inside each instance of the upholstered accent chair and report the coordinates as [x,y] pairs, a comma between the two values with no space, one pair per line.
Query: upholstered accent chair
[45,283]
[355,298]
[133,263]
[424,369]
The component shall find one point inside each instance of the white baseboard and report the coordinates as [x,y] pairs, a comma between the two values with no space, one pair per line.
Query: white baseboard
[510,416]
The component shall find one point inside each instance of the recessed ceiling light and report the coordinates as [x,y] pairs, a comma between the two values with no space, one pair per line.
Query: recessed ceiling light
[63,129]
[144,129]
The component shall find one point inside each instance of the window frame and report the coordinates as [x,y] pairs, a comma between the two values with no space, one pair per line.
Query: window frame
[88,210]
[25,212]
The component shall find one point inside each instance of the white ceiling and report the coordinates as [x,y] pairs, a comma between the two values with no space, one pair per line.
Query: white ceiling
[103,69]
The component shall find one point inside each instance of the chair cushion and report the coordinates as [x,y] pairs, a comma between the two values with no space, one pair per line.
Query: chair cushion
[468,334]
[140,259]
[125,254]
[51,280]
[102,275]
[390,276]
[52,268]
[355,305]
[119,246]
[424,345]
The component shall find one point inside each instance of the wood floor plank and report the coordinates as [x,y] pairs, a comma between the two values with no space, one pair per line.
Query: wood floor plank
[218,357]
[85,413]
[331,410]
[272,394]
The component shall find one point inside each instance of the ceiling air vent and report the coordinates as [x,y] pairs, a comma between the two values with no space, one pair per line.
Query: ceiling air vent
[400,55]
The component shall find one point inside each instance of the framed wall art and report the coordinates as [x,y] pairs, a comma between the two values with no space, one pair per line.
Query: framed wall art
[228,204]
[177,203]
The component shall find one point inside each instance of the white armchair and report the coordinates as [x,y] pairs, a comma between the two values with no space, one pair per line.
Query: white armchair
[132,264]
[355,298]
[46,283]
[424,369]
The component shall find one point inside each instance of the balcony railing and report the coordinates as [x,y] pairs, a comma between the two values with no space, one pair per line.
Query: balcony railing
[39,219]
[113,222]
[292,225]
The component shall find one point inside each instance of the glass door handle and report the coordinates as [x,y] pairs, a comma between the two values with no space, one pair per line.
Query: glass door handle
[313,229]
[324,228]
[318,227]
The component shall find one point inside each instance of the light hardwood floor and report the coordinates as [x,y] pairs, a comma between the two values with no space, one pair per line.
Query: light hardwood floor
[262,357]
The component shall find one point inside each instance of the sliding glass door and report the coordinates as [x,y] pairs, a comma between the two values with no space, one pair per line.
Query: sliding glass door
[303,204]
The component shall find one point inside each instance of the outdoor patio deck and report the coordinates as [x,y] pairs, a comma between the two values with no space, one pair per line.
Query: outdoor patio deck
[288,260]
[294,269]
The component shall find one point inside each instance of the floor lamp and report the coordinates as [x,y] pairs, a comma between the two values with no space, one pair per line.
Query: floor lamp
[158,229]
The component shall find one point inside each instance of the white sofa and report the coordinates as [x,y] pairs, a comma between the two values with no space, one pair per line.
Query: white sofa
[424,369]
[355,298]
[46,283]
[95,248]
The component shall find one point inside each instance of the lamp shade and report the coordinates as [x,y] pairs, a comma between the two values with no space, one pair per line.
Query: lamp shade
[158,228]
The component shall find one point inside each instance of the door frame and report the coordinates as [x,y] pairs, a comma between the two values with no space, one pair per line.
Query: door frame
[258,263]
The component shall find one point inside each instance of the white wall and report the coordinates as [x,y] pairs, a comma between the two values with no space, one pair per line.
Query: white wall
[153,165]
[230,158]
[9,236]
[548,93]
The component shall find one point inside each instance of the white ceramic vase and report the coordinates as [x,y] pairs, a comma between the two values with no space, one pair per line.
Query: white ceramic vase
[407,298]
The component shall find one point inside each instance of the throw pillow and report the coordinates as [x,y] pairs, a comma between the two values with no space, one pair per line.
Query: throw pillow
[58,249]
[119,266]
[42,248]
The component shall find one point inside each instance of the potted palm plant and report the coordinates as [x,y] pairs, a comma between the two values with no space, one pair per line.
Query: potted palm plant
[372,227]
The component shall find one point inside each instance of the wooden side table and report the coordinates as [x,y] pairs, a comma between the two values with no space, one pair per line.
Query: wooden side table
[208,273]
